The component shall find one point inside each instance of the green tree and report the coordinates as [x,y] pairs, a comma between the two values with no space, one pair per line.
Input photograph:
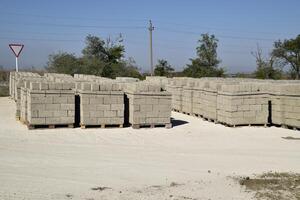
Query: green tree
[163,68]
[103,57]
[288,52]
[266,67]
[109,51]
[92,66]
[99,57]
[206,64]
[130,69]
[107,71]
[63,62]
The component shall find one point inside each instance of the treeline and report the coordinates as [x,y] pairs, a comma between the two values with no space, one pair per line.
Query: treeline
[106,58]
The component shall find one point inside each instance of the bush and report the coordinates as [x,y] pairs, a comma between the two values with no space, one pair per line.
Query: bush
[4,92]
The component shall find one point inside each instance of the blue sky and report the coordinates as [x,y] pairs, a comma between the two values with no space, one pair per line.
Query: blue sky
[47,27]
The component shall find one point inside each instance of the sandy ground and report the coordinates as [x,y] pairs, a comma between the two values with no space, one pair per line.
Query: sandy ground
[194,160]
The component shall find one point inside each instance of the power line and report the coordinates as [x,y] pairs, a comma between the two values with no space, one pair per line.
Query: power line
[141,20]
[41,39]
[41,33]
[80,34]
[130,42]
[142,27]
[73,18]
[221,36]
[220,29]
[75,25]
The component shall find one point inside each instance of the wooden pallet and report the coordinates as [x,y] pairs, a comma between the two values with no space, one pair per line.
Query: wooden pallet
[49,126]
[210,120]
[290,127]
[186,113]
[138,126]
[84,126]
[243,125]
[197,115]
[175,110]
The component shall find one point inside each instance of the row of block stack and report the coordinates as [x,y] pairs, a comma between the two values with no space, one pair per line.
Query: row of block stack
[237,101]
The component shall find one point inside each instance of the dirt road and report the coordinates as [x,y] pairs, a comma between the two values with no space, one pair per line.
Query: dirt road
[193,160]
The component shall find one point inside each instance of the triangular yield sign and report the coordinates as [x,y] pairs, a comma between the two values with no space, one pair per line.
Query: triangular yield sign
[16,48]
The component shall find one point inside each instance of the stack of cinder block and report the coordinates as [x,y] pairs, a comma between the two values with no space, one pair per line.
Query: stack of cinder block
[209,101]
[16,81]
[175,87]
[50,104]
[197,97]
[56,77]
[148,105]
[23,100]
[242,104]
[11,77]
[19,80]
[126,79]
[187,98]
[50,100]
[158,80]
[84,76]
[285,104]
[101,104]
[90,78]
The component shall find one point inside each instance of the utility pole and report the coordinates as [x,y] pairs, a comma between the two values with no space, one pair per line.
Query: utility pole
[151,28]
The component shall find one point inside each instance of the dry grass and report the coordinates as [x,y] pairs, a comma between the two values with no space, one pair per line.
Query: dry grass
[274,186]
[4,91]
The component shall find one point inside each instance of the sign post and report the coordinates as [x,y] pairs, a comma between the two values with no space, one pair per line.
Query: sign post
[16,49]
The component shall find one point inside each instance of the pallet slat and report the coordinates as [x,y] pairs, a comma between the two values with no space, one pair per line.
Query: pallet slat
[84,126]
[49,126]
[138,126]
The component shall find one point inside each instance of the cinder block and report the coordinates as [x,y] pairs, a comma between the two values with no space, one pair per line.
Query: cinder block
[37,107]
[37,121]
[60,100]
[96,100]
[45,113]
[44,86]
[53,107]
[96,114]
[95,87]
[34,86]
[71,113]
[58,86]
[67,106]
[117,106]
[60,113]
[52,120]
[110,113]
[103,107]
